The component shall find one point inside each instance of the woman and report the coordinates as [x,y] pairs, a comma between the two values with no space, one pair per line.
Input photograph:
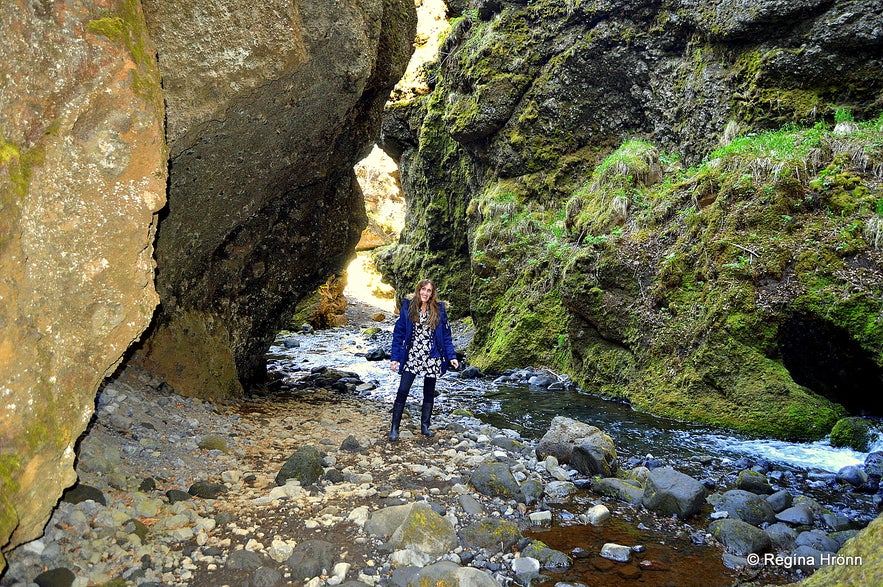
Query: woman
[421,345]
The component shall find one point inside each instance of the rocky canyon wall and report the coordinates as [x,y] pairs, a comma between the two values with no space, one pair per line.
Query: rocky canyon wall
[269,108]
[82,177]
[563,191]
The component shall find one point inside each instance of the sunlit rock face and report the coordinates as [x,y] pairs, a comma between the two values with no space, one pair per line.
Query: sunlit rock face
[82,177]
[269,107]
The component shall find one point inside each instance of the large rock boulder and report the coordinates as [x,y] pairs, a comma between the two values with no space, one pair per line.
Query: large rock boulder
[492,534]
[305,465]
[270,105]
[585,447]
[746,506]
[415,527]
[423,530]
[82,177]
[621,489]
[669,492]
[494,479]
[740,538]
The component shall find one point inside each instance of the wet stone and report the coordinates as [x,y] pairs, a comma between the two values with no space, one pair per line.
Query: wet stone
[60,577]
[207,489]
[80,493]
[796,515]
[616,552]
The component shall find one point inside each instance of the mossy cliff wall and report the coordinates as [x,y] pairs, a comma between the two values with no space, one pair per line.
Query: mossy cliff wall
[269,107]
[715,288]
[82,155]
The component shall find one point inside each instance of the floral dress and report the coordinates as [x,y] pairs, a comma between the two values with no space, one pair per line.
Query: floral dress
[419,362]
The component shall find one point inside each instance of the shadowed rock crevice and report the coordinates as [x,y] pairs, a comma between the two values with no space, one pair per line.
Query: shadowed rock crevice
[823,357]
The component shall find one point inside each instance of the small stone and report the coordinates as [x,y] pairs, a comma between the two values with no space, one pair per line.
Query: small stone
[60,577]
[176,495]
[147,485]
[213,442]
[351,444]
[616,552]
[525,565]
[207,490]
[597,515]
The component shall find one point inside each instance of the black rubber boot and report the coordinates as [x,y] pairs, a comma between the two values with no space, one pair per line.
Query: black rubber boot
[425,416]
[397,410]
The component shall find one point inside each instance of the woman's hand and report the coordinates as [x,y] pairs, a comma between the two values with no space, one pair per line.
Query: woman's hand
[394,365]
[455,363]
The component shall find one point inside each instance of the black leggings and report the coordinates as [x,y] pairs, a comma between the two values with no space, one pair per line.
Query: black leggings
[405,386]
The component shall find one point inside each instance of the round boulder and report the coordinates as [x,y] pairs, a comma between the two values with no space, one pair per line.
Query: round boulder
[670,492]
[565,434]
[740,538]
[492,534]
[424,531]
[854,432]
[305,465]
[495,479]
[746,506]
[311,558]
[754,482]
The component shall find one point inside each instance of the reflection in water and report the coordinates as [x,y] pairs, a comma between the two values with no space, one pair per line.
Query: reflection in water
[662,559]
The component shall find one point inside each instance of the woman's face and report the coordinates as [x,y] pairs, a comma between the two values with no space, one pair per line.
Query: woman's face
[425,293]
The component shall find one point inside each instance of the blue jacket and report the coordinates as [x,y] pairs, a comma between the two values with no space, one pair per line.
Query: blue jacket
[442,342]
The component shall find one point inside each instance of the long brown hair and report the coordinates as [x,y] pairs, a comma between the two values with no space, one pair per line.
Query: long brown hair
[414,306]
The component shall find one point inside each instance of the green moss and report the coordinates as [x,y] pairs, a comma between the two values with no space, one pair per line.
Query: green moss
[731,385]
[20,165]
[603,203]
[8,152]
[854,433]
[864,552]
[213,442]
[529,333]
[9,469]
[765,105]
[127,26]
